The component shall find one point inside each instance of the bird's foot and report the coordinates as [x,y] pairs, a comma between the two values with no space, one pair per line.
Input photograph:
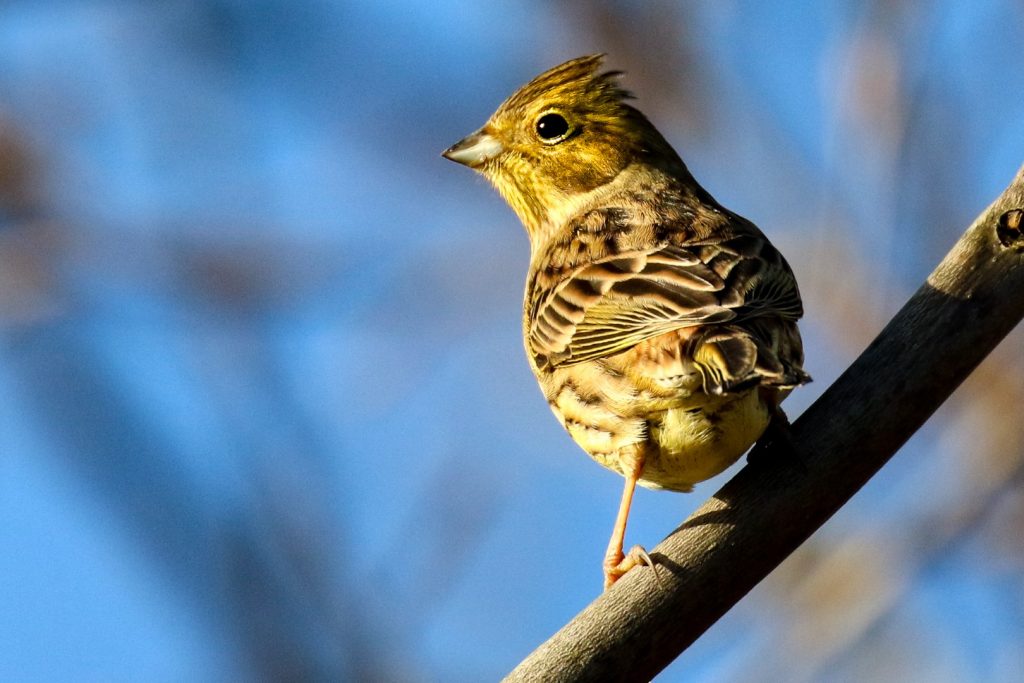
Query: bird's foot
[616,564]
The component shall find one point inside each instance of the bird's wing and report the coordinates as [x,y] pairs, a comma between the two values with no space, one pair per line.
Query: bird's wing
[612,304]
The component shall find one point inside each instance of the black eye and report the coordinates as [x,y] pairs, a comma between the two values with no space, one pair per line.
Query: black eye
[552,127]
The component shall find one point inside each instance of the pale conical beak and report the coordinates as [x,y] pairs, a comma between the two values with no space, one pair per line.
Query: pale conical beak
[474,150]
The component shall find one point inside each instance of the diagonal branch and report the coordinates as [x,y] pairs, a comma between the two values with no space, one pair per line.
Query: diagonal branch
[972,300]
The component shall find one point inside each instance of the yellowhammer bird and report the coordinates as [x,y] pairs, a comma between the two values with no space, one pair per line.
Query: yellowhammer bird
[660,325]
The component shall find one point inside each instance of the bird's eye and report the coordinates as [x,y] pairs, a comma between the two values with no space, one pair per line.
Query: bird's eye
[552,128]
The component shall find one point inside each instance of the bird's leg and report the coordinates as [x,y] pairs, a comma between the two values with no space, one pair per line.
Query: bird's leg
[615,563]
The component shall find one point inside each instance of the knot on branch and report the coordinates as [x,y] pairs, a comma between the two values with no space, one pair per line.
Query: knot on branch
[1008,230]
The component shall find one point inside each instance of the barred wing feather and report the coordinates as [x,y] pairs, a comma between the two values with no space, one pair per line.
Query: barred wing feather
[610,305]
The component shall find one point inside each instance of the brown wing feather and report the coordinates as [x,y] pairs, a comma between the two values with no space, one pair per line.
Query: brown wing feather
[614,303]
[607,306]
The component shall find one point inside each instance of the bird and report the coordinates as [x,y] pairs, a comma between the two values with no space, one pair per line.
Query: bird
[661,326]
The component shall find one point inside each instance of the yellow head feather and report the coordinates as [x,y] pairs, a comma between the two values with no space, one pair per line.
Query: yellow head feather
[598,134]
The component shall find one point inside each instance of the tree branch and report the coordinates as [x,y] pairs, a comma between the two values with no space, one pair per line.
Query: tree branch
[972,300]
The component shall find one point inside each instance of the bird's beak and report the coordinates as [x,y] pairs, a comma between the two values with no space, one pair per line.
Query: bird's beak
[474,150]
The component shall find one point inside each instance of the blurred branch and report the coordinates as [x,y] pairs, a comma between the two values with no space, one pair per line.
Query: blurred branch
[968,304]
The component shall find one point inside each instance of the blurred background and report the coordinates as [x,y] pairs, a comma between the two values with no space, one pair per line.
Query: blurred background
[264,410]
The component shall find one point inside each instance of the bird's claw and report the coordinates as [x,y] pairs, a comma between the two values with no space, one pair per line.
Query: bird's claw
[616,566]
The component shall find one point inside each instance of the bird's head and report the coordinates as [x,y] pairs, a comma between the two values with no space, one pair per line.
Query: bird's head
[563,134]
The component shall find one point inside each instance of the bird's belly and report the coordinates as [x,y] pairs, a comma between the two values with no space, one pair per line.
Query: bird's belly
[686,436]
[690,445]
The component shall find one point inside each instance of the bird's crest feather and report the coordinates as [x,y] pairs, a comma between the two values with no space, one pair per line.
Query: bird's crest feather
[579,79]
